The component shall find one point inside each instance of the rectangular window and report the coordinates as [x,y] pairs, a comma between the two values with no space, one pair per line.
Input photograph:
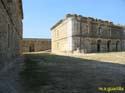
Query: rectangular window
[57,45]
[57,33]
[87,28]
[99,30]
[110,32]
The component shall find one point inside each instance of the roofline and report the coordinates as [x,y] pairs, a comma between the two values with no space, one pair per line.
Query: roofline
[59,22]
[21,7]
[75,15]
[36,39]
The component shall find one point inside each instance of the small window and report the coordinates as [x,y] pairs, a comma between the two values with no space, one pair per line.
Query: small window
[110,32]
[57,33]
[87,28]
[99,30]
[57,45]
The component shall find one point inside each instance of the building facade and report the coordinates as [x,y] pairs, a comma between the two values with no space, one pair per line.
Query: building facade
[36,44]
[11,15]
[76,33]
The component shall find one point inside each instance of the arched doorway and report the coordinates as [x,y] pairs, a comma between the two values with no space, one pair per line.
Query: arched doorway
[98,45]
[31,48]
[108,46]
[118,46]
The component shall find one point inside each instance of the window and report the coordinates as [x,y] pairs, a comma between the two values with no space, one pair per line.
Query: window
[57,33]
[57,45]
[87,28]
[82,28]
[99,46]
[99,30]
[110,32]
[118,46]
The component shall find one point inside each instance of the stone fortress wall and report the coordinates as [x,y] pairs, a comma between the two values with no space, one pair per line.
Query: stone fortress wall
[11,15]
[36,44]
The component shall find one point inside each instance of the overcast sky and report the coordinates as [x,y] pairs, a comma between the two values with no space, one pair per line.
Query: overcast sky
[41,15]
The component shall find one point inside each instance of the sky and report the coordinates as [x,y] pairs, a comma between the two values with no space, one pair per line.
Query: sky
[41,15]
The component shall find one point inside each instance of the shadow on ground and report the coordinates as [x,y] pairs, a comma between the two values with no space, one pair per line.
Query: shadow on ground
[33,75]
[48,73]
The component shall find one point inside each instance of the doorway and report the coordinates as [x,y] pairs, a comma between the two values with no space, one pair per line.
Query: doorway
[99,46]
[31,48]
[108,46]
[117,46]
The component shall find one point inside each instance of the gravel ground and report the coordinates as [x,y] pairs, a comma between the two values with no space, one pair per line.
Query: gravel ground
[45,73]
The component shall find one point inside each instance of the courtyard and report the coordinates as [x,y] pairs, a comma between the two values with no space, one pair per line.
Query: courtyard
[50,73]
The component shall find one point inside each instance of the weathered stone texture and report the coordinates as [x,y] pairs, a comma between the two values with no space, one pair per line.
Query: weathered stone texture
[11,16]
[76,33]
[36,44]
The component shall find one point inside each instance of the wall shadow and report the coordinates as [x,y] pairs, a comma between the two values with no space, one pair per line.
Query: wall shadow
[33,76]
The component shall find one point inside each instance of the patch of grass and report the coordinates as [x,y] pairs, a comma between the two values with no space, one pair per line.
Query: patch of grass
[115,57]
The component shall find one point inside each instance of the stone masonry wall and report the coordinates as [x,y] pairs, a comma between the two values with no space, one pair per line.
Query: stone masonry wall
[35,45]
[10,27]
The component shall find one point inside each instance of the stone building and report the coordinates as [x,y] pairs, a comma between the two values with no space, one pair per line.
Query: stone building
[11,15]
[76,33]
[36,44]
